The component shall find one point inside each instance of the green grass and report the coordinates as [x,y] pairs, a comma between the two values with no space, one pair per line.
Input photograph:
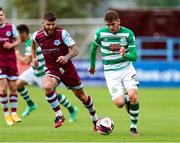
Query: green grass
[159,119]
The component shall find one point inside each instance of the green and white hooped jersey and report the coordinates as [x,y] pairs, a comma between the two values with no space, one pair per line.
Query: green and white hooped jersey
[40,70]
[104,37]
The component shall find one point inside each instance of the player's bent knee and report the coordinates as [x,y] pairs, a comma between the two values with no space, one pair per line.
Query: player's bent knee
[119,103]
[133,99]
[3,91]
[47,88]
[21,84]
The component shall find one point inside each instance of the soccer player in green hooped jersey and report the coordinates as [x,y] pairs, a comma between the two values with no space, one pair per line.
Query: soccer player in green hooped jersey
[118,51]
[35,75]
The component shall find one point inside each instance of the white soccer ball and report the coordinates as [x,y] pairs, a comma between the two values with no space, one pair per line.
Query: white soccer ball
[105,126]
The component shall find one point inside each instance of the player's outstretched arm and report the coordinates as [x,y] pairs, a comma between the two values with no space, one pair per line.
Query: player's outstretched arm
[131,55]
[25,59]
[34,58]
[91,70]
[93,51]
[73,52]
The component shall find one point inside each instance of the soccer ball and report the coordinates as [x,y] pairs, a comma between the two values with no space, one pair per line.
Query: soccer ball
[105,126]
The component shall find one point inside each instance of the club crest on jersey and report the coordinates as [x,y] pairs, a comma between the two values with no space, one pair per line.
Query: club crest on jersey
[57,42]
[123,41]
[8,33]
[105,39]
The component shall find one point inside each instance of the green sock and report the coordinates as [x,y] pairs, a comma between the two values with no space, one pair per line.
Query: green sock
[126,98]
[65,102]
[24,93]
[134,112]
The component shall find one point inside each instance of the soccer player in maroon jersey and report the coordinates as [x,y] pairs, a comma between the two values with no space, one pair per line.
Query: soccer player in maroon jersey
[58,49]
[34,76]
[9,39]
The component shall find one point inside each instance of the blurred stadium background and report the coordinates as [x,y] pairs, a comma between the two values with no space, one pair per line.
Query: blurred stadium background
[154,22]
[156,27]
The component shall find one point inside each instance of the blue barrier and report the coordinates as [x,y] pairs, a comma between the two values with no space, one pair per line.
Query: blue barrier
[91,80]
[158,74]
[150,74]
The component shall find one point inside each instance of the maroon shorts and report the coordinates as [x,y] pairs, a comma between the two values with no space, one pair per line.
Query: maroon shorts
[66,74]
[9,72]
[8,64]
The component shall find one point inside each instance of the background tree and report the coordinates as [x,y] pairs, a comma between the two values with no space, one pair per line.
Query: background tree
[63,8]
[159,3]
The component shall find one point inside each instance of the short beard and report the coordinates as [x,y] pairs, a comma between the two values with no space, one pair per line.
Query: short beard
[50,34]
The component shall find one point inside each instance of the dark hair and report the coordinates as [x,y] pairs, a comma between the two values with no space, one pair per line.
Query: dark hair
[23,28]
[111,15]
[1,9]
[50,16]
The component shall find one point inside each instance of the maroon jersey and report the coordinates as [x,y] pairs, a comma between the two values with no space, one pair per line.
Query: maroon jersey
[52,48]
[8,65]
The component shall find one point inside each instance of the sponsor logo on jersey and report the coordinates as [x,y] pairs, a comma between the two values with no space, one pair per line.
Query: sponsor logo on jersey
[4,39]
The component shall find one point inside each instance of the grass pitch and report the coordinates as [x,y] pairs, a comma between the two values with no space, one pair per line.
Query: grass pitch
[159,119]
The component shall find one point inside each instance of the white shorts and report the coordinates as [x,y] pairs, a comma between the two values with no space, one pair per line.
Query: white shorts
[120,81]
[29,77]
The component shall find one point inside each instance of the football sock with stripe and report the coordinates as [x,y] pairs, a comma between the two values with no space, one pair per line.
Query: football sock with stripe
[134,112]
[24,93]
[53,101]
[91,109]
[4,103]
[13,103]
[65,102]
[126,98]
